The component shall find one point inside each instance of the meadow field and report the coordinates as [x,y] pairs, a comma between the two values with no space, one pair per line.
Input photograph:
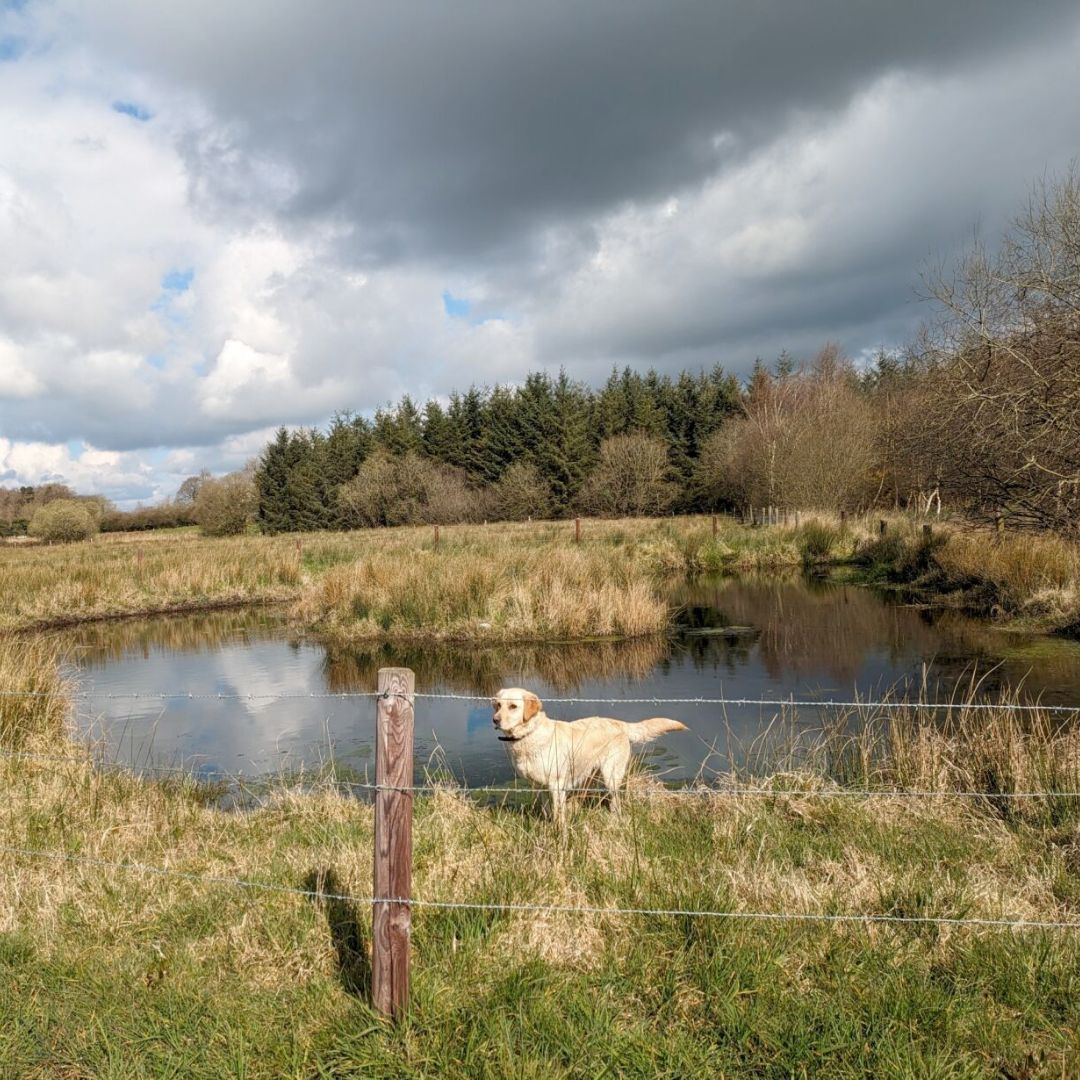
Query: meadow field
[525,581]
[110,967]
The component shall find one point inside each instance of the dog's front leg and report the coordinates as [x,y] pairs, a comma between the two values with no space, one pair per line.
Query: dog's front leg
[558,806]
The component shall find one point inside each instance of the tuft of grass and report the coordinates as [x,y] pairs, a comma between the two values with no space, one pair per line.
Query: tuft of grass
[817,542]
[34,704]
[490,590]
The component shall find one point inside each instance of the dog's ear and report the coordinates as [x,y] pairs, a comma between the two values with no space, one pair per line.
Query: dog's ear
[532,706]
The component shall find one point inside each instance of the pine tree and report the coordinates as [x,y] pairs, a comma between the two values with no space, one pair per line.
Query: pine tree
[271,483]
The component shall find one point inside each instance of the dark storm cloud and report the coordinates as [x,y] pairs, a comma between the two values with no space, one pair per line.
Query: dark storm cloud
[455,130]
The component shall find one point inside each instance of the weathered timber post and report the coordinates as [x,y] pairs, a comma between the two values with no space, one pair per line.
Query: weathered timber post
[881,526]
[391,926]
[785,517]
[714,525]
[763,520]
[843,519]
[577,530]
[299,550]
[436,535]
[796,518]
[999,524]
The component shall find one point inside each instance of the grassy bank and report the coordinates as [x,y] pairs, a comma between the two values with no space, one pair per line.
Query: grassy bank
[122,973]
[522,582]
[1028,580]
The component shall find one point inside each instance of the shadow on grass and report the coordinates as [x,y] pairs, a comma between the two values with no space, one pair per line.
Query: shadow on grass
[344,919]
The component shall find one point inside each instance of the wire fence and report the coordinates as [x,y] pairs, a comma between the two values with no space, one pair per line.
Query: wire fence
[450,786]
[344,695]
[693,791]
[562,909]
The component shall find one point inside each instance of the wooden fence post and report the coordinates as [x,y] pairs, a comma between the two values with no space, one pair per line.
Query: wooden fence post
[999,524]
[436,535]
[881,526]
[714,525]
[392,879]
[577,530]
[796,519]
[843,519]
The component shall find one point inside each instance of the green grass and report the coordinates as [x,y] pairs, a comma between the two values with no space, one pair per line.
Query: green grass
[137,976]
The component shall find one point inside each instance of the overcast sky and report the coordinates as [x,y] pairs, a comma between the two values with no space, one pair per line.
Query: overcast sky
[216,217]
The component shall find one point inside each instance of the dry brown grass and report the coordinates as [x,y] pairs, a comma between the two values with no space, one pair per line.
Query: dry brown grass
[118,575]
[501,588]
[1032,574]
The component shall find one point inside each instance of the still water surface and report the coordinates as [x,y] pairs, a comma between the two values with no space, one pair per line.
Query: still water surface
[737,638]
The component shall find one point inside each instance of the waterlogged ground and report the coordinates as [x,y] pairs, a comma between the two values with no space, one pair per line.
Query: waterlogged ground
[737,638]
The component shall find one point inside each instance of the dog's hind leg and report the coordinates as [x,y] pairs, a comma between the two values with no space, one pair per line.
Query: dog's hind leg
[613,773]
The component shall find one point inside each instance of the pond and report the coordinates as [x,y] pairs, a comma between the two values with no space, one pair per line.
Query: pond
[736,638]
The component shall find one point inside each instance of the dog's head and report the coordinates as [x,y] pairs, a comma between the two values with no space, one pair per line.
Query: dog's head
[515,710]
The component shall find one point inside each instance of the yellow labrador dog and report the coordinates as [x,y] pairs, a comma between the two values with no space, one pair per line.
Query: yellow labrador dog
[564,755]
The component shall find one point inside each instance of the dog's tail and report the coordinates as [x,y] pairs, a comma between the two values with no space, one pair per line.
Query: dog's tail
[647,730]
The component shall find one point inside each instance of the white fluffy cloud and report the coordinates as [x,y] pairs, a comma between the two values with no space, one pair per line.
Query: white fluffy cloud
[188,263]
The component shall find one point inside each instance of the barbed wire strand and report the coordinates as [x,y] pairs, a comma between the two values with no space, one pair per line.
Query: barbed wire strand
[510,906]
[806,703]
[702,791]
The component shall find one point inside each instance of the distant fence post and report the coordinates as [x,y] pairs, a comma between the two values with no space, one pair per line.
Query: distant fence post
[436,535]
[843,519]
[391,926]
[881,527]
[999,524]
[714,525]
[577,530]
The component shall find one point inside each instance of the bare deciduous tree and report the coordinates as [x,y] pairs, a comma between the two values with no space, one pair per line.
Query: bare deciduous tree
[1002,367]
[632,477]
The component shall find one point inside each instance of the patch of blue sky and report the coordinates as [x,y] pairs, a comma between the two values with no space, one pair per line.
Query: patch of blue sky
[457,307]
[11,47]
[76,448]
[132,109]
[178,281]
[156,360]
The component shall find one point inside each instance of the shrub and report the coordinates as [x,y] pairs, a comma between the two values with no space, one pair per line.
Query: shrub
[226,507]
[522,492]
[63,521]
[406,489]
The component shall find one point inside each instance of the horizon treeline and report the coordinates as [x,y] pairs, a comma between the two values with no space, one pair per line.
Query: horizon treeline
[979,415]
[524,451]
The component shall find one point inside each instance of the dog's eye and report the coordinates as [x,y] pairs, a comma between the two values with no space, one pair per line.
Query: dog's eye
[513,706]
